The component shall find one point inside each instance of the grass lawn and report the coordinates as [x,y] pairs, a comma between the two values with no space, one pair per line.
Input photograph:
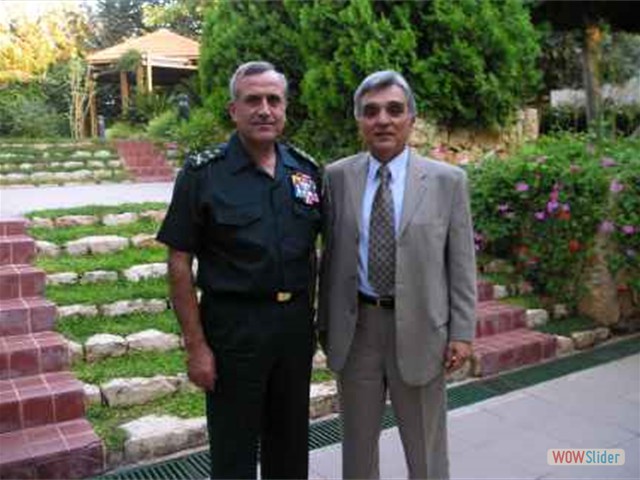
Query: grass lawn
[79,329]
[525,301]
[61,235]
[107,292]
[566,326]
[116,261]
[99,209]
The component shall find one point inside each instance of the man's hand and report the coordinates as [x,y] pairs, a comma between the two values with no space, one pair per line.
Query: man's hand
[201,367]
[455,355]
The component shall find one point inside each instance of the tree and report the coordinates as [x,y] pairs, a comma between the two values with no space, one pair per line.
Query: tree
[182,16]
[118,20]
[588,17]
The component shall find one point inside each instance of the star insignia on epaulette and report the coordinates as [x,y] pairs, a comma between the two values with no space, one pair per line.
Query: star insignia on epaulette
[302,154]
[197,160]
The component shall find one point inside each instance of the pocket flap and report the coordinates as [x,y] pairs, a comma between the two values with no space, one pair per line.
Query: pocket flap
[238,216]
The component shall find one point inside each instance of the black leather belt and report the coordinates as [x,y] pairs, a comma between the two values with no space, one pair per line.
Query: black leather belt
[278,297]
[382,302]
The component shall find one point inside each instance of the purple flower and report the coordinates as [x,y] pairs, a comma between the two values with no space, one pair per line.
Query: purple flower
[552,206]
[478,240]
[503,208]
[607,226]
[553,196]
[616,186]
[540,215]
[628,229]
[566,207]
[522,187]
[607,162]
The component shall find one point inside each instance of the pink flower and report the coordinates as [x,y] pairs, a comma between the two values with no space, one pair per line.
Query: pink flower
[503,208]
[552,206]
[616,186]
[607,226]
[540,215]
[522,187]
[628,229]
[607,162]
[553,196]
[566,207]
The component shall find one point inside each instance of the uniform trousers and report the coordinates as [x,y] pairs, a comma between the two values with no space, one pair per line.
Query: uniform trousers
[263,352]
[371,370]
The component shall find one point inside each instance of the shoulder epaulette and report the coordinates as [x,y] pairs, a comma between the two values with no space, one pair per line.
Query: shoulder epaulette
[301,154]
[198,159]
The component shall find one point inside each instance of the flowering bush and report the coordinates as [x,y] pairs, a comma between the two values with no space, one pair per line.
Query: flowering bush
[541,210]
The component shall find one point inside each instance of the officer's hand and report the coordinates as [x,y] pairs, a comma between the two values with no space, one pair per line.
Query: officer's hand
[201,367]
[456,355]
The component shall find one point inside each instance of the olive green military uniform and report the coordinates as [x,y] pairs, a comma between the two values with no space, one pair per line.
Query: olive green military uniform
[254,238]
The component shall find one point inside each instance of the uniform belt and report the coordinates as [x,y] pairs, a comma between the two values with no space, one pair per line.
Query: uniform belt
[278,297]
[383,302]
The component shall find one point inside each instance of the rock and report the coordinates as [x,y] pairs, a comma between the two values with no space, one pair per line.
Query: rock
[77,247]
[102,174]
[146,271]
[145,240]
[25,167]
[155,215]
[74,220]
[584,339]
[104,345]
[41,222]
[76,175]
[119,218]
[153,340]
[105,243]
[125,307]
[95,164]
[137,390]
[81,154]
[102,154]
[537,317]
[114,164]
[319,360]
[92,394]
[77,311]
[98,276]
[560,311]
[602,333]
[499,292]
[47,249]
[153,436]
[19,177]
[64,278]
[72,164]
[323,399]
[76,351]
[564,345]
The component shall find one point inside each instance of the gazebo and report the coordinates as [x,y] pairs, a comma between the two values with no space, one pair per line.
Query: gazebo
[165,58]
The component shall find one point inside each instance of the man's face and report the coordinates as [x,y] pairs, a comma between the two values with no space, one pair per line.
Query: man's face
[385,122]
[259,111]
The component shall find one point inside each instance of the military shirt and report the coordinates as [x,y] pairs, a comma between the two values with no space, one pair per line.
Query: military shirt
[251,233]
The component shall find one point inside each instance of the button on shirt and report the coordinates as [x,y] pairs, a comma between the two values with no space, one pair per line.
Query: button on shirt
[398,169]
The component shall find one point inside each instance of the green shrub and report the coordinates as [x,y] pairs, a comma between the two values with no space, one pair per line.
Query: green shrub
[124,130]
[541,209]
[202,129]
[619,120]
[163,126]
[24,112]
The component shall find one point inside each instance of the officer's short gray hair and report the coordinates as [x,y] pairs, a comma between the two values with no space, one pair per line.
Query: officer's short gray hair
[253,68]
[378,81]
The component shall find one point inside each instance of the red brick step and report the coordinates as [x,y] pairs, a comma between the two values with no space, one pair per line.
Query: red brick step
[504,351]
[32,354]
[12,227]
[18,281]
[61,450]
[16,249]
[28,402]
[21,316]
[495,317]
[485,290]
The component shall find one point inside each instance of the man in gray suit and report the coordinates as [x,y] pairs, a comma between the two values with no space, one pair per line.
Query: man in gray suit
[397,284]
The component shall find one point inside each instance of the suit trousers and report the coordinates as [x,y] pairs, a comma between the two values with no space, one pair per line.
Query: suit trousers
[263,352]
[371,370]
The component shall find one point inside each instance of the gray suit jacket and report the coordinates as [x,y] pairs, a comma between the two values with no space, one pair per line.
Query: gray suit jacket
[435,264]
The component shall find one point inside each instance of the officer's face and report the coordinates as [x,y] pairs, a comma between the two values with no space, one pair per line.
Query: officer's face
[259,112]
[385,122]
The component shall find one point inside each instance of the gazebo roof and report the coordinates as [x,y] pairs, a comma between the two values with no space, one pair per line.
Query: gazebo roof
[161,43]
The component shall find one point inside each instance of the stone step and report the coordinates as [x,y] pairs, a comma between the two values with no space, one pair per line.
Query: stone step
[16,249]
[19,281]
[495,317]
[61,450]
[21,316]
[485,290]
[33,354]
[28,402]
[505,351]
[9,227]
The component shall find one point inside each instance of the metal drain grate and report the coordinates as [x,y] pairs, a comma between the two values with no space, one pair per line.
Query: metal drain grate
[328,432]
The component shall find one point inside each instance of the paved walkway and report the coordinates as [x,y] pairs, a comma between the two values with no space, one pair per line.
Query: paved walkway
[15,202]
[508,436]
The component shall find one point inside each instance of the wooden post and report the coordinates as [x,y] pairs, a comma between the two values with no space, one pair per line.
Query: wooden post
[591,71]
[140,87]
[149,74]
[93,109]
[124,92]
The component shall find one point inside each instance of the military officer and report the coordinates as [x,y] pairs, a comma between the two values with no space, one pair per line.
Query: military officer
[249,211]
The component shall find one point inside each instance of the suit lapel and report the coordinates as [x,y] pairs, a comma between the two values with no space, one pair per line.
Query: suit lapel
[356,184]
[415,188]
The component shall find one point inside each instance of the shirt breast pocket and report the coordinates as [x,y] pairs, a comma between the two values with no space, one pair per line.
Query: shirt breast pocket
[304,229]
[238,225]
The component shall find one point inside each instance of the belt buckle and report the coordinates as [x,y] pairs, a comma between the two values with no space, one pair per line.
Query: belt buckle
[282,297]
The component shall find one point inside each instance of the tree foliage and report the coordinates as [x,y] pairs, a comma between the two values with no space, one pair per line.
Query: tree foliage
[470,62]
